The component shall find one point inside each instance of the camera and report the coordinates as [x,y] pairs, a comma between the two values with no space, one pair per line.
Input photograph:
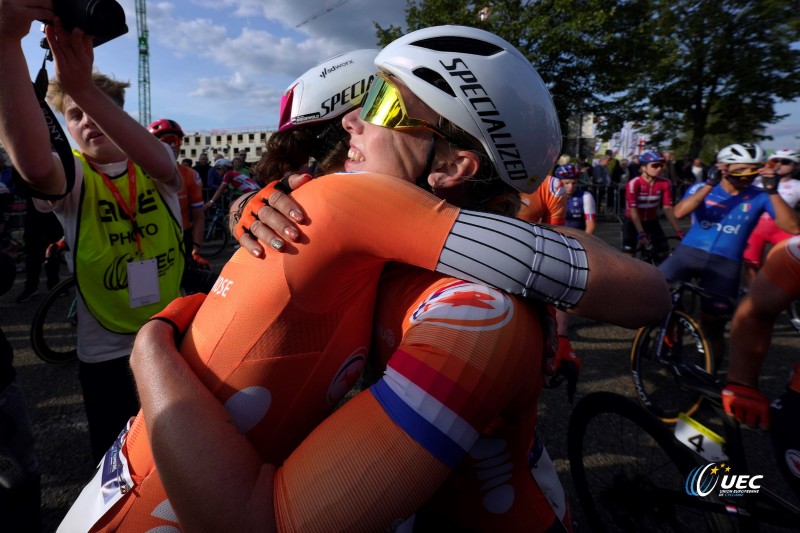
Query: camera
[103,19]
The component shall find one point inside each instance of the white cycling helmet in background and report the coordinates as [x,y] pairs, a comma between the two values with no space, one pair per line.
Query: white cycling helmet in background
[327,90]
[786,153]
[742,153]
[222,162]
[485,86]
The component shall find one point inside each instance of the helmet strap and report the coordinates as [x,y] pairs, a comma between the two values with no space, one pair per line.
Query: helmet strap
[422,179]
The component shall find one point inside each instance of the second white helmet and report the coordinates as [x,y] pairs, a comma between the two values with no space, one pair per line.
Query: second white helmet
[786,153]
[327,90]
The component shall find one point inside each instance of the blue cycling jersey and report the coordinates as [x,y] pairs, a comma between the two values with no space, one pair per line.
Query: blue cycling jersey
[723,222]
[575,215]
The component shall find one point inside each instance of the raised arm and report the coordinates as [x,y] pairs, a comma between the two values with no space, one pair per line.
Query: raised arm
[74,56]
[23,131]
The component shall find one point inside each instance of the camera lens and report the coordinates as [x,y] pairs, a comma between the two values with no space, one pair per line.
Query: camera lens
[104,18]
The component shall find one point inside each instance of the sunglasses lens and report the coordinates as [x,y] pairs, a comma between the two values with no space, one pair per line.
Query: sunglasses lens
[657,165]
[382,105]
[171,139]
[785,161]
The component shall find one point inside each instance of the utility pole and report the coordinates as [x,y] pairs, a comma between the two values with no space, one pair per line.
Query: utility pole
[144,62]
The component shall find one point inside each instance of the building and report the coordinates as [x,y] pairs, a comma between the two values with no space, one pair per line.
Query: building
[229,143]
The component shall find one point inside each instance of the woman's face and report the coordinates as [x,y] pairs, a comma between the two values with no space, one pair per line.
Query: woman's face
[393,152]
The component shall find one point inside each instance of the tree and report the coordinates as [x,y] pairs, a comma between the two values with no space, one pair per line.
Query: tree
[691,69]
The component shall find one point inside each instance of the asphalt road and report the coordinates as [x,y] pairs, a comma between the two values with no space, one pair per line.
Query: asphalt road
[56,408]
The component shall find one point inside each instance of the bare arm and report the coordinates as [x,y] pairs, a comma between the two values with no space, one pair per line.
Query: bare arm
[74,56]
[690,203]
[23,131]
[174,402]
[751,331]
[621,290]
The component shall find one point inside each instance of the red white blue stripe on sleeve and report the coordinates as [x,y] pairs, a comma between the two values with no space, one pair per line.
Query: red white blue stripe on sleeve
[420,401]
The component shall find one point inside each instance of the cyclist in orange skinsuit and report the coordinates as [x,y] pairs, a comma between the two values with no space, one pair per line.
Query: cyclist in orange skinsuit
[547,204]
[435,388]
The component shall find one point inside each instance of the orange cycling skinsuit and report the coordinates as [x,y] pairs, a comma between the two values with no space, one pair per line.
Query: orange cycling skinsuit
[547,204]
[191,194]
[782,268]
[280,341]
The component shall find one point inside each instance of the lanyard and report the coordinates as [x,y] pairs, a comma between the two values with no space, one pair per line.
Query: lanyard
[129,210]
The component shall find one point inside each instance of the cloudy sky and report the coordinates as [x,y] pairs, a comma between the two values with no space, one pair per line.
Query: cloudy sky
[223,64]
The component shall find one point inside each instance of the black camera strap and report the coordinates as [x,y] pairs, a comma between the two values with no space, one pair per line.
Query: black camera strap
[58,139]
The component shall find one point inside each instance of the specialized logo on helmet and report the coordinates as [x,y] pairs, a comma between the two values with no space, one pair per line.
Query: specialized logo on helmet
[462,305]
[491,122]
[557,187]
[346,96]
[328,70]
[703,480]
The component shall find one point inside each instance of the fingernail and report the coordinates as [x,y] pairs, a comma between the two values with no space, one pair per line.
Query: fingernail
[290,233]
[276,243]
[296,215]
[257,252]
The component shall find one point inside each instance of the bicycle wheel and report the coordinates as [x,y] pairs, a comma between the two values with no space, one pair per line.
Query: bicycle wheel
[651,371]
[794,315]
[630,473]
[216,237]
[54,331]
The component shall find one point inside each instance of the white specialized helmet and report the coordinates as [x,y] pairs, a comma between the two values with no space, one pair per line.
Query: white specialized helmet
[327,90]
[742,153]
[222,162]
[485,86]
[786,153]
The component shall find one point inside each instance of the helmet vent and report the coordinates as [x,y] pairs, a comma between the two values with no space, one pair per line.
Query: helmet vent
[459,44]
[435,79]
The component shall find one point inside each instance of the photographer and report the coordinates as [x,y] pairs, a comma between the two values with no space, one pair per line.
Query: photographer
[120,213]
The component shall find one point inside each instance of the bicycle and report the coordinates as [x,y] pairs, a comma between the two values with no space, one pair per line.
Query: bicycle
[631,473]
[54,330]
[216,236]
[655,349]
[649,254]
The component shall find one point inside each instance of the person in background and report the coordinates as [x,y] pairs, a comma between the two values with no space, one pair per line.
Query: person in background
[41,230]
[188,162]
[238,183]
[202,167]
[725,209]
[20,476]
[120,214]
[775,287]
[190,198]
[787,166]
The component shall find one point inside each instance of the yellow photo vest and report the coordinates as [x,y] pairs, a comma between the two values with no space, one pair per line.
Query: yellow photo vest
[106,242]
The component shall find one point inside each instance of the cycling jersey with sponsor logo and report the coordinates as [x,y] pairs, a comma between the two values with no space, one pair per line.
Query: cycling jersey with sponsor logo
[280,341]
[646,197]
[723,222]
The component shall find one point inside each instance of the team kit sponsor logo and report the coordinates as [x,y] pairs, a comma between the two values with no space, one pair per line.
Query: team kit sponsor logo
[720,479]
[466,306]
[490,118]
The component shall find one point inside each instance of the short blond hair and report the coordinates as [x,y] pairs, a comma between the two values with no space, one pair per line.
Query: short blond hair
[113,88]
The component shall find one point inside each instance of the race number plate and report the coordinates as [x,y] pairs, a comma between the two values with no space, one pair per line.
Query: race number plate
[700,439]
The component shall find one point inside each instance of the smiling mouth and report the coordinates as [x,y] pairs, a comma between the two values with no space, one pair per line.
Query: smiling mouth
[93,136]
[355,155]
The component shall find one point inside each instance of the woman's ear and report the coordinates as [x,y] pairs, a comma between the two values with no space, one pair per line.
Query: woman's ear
[459,167]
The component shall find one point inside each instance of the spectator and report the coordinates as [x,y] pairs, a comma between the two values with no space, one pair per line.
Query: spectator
[20,478]
[41,230]
[203,168]
[601,179]
[120,215]
[695,171]
[239,166]
[188,162]
[634,167]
